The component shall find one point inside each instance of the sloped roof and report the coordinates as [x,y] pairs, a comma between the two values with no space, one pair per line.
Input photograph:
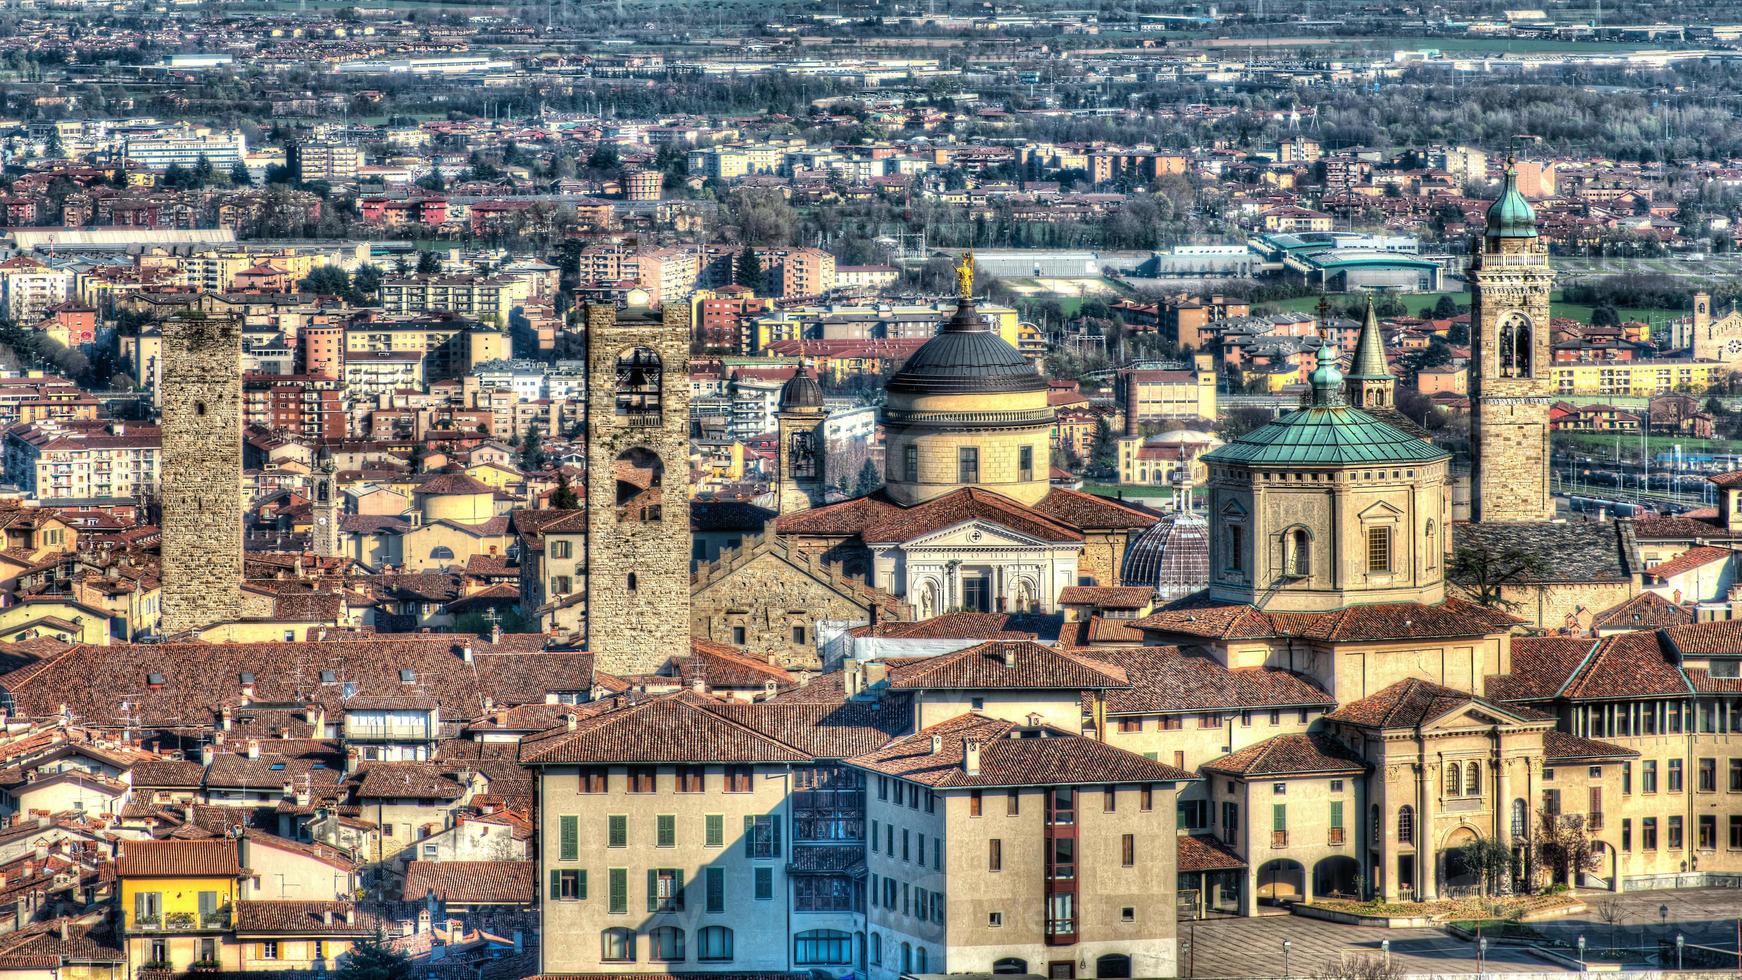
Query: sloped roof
[1291,755]
[178,858]
[1198,616]
[1559,746]
[1413,702]
[1167,679]
[471,882]
[671,728]
[1326,435]
[1570,551]
[1006,665]
[1011,755]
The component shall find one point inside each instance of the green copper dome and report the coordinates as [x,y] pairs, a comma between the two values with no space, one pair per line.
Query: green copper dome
[1326,435]
[1511,216]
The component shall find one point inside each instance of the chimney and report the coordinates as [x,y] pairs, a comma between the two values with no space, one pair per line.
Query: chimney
[225,717]
[1034,719]
[327,917]
[770,688]
[352,758]
[937,744]
[1010,655]
[854,682]
[206,753]
[253,748]
[466,653]
[495,633]
[350,915]
[572,721]
[699,684]
[971,757]
[876,673]
[63,929]
[311,714]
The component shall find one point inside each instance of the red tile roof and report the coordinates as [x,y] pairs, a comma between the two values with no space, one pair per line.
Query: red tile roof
[1541,666]
[1375,622]
[670,728]
[1647,610]
[1006,665]
[176,858]
[1559,746]
[1010,755]
[1628,665]
[1414,702]
[1677,528]
[1207,854]
[1687,561]
[471,882]
[1166,679]
[1107,596]
[303,918]
[1291,755]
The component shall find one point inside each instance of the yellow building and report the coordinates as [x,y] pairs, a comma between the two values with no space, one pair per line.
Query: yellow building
[178,898]
[1639,378]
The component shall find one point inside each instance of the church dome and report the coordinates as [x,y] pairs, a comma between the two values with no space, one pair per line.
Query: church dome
[1511,216]
[801,391]
[1171,556]
[966,357]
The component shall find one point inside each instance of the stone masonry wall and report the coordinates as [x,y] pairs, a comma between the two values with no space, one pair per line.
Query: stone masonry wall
[201,472]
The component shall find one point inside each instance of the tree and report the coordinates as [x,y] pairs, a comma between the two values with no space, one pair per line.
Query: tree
[365,283]
[1483,571]
[371,959]
[1492,861]
[1104,457]
[563,497]
[327,280]
[240,176]
[869,479]
[1446,308]
[1563,846]
[532,450]
[749,270]
[428,262]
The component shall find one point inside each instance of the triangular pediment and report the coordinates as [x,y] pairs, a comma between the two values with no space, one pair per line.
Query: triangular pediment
[1473,714]
[974,533]
[1380,511]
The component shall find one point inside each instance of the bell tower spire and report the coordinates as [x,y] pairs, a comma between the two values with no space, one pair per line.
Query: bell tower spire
[1370,381]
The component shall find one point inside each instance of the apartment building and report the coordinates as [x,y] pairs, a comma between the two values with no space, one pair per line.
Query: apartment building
[484,297]
[335,163]
[310,406]
[83,460]
[451,344]
[160,152]
[1154,394]
[29,288]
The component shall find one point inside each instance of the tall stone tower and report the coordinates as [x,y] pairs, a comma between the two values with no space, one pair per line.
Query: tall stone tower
[326,507]
[201,471]
[1370,383]
[638,501]
[802,464]
[1510,382]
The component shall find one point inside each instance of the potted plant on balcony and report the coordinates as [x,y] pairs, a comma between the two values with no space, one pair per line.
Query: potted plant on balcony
[179,920]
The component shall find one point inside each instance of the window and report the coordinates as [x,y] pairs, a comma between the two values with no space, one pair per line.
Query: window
[1708,831]
[1473,779]
[739,635]
[1012,802]
[995,854]
[570,835]
[560,548]
[619,898]
[968,464]
[1025,463]
[617,830]
[995,919]
[594,780]
[1736,832]
[764,884]
[910,456]
[441,552]
[665,944]
[1129,725]
[1406,825]
[762,837]
[1736,775]
[1236,548]
[664,890]
[690,779]
[1627,835]
[1518,819]
[798,635]
[1708,776]
[737,779]
[714,944]
[147,907]
[1336,835]
[617,945]
[715,882]
[642,780]
[1648,775]
[1675,775]
[1378,549]
[1297,553]
[1648,833]
[1675,833]
[714,825]
[1128,851]
[1146,798]
[268,950]
[975,802]
[1454,779]
[1626,779]
[561,585]
[818,947]
[568,885]
[1109,800]
[665,830]
[1279,825]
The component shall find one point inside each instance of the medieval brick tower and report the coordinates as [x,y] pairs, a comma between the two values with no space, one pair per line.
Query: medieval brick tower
[802,462]
[201,472]
[1510,382]
[325,501]
[638,501]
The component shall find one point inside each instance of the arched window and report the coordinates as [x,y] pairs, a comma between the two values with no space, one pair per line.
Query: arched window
[1518,819]
[1113,966]
[1514,346]
[906,958]
[1473,779]
[1009,965]
[919,959]
[823,947]
[617,945]
[441,552]
[1406,824]
[638,386]
[665,944]
[714,944]
[801,455]
[1297,555]
[1454,779]
[877,949]
[640,476]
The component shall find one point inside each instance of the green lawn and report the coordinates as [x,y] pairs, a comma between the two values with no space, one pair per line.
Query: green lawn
[1416,303]
[1419,303]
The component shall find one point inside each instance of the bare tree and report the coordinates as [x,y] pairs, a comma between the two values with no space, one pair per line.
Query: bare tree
[1564,846]
[1611,911]
[1363,966]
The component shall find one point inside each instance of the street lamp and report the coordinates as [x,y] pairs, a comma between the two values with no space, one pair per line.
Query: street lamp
[1481,955]
[1581,953]
[1680,940]
[1385,944]
[1287,945]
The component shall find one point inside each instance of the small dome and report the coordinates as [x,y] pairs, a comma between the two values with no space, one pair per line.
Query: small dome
[966,357]
[801,390]
[1511,216]
[1171,556]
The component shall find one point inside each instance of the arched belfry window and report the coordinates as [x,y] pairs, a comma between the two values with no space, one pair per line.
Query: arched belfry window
[639,379]
[1514,346]
[640,475]
[1297,555]
[801,455]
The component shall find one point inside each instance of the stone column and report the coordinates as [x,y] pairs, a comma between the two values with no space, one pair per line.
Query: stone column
[1426,857]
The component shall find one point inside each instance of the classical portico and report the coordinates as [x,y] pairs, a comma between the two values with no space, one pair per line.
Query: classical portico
[977,566]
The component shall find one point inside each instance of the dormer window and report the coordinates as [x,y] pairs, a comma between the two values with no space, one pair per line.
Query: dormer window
[247,677]
[329,677]
[407,675]
[154,680]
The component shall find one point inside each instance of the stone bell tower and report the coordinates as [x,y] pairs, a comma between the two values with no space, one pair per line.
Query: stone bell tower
[200,480]
[802,464]
[325,491]
[1510,381]
[638,500]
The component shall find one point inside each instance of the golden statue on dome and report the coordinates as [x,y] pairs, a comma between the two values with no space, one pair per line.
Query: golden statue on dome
[965,275]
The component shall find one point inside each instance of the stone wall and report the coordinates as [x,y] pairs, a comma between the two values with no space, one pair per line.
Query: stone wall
[202,471]
[1509,420]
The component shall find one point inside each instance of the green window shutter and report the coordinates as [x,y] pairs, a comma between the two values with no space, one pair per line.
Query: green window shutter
[652,889]
[581,885]
[716,889]
[619,830]
[619,889]
[1337,814]
[666,826]
[776,822]
[571,837]
[716,829]
[677,888]
[749,836]
[555,884]
[1279,817]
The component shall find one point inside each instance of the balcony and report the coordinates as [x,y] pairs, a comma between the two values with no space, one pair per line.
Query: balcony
[1595,821]
[1335,838]
[176,922]
[1279,838]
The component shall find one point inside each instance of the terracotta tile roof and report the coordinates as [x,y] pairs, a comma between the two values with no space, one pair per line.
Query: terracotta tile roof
[972,626]
[1730,479]
[1541,666]
[727,666]
[40,946]
[1010,755]
[1559,746]
[293,917]
[877,519]
[1687,561]
[1574,551]
[1091,512]
[471,882]
[1166,679]
[453,484]
[671,728]
[1379,621]
[1647,610]
[168,774]
[1414,702]
[1705,683]
[1102,629]
[1206,854]
[177,858]
[1679,527]
[1006,665]
[1714,636]
[1628,665]
[1291,755]
[826,730]
[406,780]
[1107,596]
